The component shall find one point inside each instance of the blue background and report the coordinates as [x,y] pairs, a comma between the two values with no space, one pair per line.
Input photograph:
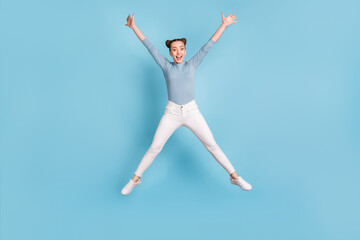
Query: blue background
[81,98]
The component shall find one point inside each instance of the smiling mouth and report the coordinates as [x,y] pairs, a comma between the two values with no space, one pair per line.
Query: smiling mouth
[178,58]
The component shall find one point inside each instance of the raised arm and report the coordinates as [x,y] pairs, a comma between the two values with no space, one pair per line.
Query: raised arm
[226,21]
[131,24]
[200,55]
[159,58]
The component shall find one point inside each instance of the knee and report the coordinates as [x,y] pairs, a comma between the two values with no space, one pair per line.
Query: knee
[212,146]
[156,148]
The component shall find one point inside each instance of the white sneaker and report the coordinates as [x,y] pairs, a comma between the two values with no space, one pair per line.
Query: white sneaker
[242,183]
[129,187]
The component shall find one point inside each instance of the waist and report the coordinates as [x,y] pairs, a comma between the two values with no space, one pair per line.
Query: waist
[190,105]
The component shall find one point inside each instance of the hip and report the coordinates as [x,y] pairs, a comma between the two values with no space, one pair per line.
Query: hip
[181,111]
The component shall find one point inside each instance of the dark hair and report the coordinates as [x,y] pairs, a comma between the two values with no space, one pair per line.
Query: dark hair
[169,42]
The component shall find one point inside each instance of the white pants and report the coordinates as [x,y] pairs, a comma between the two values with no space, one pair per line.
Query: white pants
[187,115]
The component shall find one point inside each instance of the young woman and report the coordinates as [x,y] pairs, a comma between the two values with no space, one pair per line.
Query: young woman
[181,109]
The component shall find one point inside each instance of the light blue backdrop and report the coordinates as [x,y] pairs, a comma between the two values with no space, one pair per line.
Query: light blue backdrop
[81,98]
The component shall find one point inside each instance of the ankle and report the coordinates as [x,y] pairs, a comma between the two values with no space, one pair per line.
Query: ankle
[234,176]
[137,179]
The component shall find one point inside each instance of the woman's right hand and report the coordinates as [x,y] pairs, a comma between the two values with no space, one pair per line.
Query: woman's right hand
[130,21]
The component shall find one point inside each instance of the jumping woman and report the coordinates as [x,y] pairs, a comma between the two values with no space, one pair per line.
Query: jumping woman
[181,109]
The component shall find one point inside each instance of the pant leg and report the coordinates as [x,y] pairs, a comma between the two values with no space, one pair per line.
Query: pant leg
[197,124]
[167,125]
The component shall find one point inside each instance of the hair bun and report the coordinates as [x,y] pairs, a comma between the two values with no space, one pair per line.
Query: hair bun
[168,43]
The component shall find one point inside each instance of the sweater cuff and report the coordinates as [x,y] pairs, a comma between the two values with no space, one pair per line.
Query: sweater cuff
[145,41]
[211,42]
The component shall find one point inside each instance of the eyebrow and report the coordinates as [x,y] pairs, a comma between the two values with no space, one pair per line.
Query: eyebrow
[175,47]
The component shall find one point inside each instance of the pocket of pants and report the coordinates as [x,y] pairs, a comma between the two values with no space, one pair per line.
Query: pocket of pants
[169,110]
[194,109]
[168,107]
[171,114]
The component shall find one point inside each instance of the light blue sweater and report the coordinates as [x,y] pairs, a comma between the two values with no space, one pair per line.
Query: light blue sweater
[179,76]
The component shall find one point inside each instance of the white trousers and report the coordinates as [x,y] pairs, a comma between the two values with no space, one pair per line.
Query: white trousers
[187,115]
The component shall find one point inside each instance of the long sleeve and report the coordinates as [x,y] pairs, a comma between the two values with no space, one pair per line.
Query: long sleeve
[200,55]
[159,58]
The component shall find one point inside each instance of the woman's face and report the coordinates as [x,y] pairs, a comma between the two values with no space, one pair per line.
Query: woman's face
[178,51]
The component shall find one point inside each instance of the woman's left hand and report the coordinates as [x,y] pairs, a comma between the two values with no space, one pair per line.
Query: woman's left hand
[226,21]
